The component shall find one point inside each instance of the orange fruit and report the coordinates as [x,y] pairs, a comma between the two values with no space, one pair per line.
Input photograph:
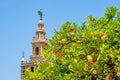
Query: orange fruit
[107,78]
[90,59]
[118,59]
[85,68]
[91,34]
[89,56]
[95,72]
[72,34]
[63,41]
[78,42]
[58,54]
[118,74]
[104,38]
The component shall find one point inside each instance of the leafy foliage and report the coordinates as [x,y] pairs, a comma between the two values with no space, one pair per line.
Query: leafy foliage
[88,52]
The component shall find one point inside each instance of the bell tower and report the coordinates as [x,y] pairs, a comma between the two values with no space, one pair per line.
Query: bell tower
[38,44]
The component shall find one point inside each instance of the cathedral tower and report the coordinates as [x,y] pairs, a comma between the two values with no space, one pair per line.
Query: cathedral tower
[38,44]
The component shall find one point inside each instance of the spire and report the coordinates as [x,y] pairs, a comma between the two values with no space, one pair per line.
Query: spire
[23,57]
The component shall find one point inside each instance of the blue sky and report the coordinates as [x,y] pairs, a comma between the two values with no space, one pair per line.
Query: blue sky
[19,19]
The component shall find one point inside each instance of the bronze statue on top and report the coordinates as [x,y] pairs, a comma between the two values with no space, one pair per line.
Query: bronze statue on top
[40,13]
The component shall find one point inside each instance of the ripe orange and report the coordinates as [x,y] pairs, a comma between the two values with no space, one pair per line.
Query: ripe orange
[118,59]
[63,41]
[72,34]
[89,56]
[90,59]
[91,34]
[118,74]
[58,54]
[104,38]
[95,72]
[78,42]
[107,78]
[85,68]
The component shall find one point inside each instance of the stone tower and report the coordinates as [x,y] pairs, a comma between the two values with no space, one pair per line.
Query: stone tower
[38,43]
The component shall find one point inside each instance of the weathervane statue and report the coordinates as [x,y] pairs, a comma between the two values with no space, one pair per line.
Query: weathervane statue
[40,13]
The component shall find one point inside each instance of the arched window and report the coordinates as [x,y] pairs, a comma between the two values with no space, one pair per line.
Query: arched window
[32,69]
[37,51]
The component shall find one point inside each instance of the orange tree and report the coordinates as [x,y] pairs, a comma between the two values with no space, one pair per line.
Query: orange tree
[88,52]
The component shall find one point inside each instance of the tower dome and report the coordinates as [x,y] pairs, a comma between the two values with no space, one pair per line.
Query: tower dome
[40,23]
